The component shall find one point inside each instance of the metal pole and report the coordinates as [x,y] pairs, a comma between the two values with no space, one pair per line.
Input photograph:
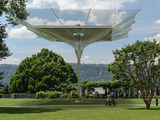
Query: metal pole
[79,97]
[156,101]
[79,53]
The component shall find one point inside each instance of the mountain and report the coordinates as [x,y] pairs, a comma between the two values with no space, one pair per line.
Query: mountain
[91,72]
[9,70]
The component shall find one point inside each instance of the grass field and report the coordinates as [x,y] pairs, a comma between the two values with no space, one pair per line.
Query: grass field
[15,102]
[81,113]
[76,112]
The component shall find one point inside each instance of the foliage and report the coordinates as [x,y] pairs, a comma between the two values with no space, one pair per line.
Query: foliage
[5,89]
[104,84]
[18,9]
[41,72]
[48,94]
[9,70]
[73,94]
[93,72]
[14,7]
[4,51]
[146,71]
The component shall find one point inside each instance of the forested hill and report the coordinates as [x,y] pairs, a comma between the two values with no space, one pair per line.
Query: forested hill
[8,71]
[91,72]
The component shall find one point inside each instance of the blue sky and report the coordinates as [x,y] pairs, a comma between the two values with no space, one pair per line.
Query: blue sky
[23,43]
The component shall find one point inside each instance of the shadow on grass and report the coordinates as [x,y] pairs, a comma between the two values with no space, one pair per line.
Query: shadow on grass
[11,110]
[156,109]
[64,102]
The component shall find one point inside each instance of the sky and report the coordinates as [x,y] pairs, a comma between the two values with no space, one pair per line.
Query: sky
[23,43]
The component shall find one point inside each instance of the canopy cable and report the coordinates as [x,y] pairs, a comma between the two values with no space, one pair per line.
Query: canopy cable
[63,25]
[85,23]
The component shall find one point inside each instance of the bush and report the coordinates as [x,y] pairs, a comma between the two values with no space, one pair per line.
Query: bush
[48,94]
[64,95]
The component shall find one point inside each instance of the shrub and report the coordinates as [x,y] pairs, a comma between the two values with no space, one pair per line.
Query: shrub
[48,94]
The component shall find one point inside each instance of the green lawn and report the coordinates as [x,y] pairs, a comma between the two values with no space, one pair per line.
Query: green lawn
[15,102]
[81,113]
[76,112]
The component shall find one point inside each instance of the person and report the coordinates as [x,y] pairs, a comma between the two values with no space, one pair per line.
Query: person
[124,94]
[108,100]
[139,94]
[112,98]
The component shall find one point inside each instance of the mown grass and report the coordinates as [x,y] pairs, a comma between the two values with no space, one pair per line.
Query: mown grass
[81,113]
[17,102]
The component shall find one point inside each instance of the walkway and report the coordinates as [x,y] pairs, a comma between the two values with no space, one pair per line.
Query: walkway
[77,105]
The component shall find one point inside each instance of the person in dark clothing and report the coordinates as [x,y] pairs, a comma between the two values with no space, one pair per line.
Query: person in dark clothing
[112,98]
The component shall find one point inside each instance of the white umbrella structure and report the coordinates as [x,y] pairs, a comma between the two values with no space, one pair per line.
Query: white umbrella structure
[80,27]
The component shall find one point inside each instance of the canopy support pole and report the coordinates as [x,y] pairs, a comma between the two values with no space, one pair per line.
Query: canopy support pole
[79,54]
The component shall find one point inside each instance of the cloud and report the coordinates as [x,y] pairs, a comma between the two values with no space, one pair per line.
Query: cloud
[157,22]
[69,22]
[10,60]
[40,21]
[36,21]
[21,33]
[86,59]
[80,4]
[117,17]
[38,3]
[156,37]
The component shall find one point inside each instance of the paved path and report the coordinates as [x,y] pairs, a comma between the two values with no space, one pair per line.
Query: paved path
[77,105]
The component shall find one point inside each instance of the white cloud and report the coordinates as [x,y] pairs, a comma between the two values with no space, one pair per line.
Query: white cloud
[157,22]
[40,21]
[71,22]
[36,21]
[96,4]
[156,37]
[116,17]
[56,22]
[21,33]
[38,3]
[80,4]
[113,17]
[86,59]
[102,62]
[10,60]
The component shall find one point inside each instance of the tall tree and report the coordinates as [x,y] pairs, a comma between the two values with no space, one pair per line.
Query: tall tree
[14,7]
[41,72]
[146,70]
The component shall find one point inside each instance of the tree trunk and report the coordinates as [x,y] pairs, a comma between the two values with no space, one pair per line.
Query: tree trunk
[147,105]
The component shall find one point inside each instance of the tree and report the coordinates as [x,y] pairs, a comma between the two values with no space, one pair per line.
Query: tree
[5,89]
[145,73]
[41,72]
[14,7]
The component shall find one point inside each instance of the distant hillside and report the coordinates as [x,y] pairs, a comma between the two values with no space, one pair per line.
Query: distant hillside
[91,72]
[8,71]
